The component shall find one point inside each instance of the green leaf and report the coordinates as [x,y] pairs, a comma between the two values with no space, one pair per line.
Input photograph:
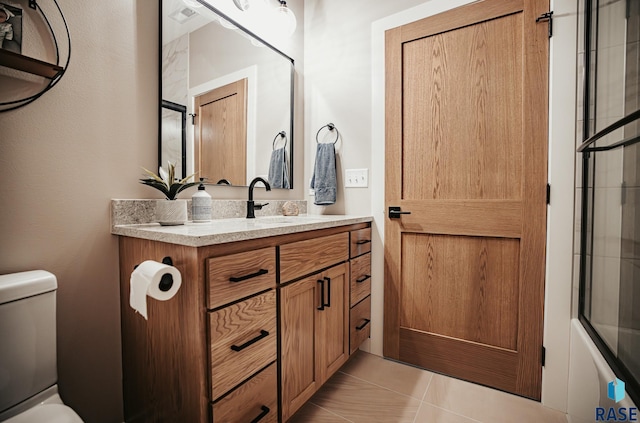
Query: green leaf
[166,182]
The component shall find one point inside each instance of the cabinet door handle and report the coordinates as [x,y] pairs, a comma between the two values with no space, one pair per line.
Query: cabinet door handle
[362,278]
[362,326]
[328,304]
[363,241]
[249,276]
[265,411]
[321,283]
[263,334]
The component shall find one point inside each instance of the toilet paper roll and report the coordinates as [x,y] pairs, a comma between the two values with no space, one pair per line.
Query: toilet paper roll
[152,279]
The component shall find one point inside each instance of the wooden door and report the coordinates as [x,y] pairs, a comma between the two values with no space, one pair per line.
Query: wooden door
[300,376]
[220,145]
[466,155]
[332,327]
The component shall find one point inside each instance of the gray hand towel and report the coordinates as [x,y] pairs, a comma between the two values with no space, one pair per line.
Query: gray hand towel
[324,180]
[278,169]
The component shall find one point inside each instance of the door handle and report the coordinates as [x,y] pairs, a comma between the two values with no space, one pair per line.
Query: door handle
[265,410]
[321,283]
[395,212]
[328,304]
[263,334]
[362,278]
[362,326]
[250,276]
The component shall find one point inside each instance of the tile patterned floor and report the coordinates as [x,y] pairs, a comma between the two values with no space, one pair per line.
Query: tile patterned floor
[371,389]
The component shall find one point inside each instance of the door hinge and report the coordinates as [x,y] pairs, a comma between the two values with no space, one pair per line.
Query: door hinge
[548,16]
[193,118]
[543,358]
[33,4]
[548,193]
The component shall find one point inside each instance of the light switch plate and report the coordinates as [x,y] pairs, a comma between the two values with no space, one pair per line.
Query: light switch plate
[356,178]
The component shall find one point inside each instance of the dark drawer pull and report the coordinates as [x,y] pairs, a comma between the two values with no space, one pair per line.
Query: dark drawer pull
[363,241]
[321,283]
[362,326]
[328,303]
[265,411]
[362,278]
[263,334]
[252,275]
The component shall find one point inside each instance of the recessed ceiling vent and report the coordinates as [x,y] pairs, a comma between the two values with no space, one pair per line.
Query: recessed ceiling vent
[183,15]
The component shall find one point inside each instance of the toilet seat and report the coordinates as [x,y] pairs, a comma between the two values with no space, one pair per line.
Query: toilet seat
[47,413]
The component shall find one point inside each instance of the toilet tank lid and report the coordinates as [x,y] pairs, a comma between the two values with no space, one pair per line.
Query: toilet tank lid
[16,286]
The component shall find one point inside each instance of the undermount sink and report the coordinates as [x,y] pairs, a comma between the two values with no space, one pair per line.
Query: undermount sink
[279,220]
[285,220]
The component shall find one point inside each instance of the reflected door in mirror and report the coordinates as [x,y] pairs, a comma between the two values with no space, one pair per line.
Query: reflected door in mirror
[221,134]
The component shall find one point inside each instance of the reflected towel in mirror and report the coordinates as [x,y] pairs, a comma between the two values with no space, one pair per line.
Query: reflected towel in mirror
[278,169]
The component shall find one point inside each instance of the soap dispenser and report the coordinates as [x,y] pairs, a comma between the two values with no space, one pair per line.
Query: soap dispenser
[201,204]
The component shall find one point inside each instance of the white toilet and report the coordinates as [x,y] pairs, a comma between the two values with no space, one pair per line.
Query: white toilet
[28,362]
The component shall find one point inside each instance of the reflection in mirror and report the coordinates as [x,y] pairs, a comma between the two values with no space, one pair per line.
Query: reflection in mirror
[174,136]
[239,91]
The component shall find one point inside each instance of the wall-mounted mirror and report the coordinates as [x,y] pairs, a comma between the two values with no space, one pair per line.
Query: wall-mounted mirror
[238,94]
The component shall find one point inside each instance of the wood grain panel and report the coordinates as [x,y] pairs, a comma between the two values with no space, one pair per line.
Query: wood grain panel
[300,377]
[332,323]
[466,154]
[466,15]
[304,257]
[461,287]
[152,348]
[360,242]
[480,156]
[221,133]
[532,268]
[220,269]
[236,325]
[359,324]
[497,218]
[245,403]
[360,278]
[393,189]
[218,250]
[465,360]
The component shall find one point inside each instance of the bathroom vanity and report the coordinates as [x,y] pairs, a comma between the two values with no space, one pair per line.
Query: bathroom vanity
[268,310]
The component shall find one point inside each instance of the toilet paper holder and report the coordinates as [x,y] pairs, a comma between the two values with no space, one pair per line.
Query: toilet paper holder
[166,282]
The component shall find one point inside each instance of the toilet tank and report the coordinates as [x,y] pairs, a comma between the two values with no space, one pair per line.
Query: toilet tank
[27,335]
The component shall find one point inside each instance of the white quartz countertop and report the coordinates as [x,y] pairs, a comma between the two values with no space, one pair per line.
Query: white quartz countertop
[220,231]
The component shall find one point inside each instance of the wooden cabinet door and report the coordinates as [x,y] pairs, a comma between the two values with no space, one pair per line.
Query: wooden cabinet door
[300,378]
[315,334]
[332,321]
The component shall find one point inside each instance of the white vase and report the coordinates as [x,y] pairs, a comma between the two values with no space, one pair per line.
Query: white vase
[171,212]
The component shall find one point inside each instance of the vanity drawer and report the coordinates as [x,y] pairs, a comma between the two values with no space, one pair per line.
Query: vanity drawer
[360,242]
[236,276]
[360,326]
[360,278]
[304,257]
[243,341]
[257,397]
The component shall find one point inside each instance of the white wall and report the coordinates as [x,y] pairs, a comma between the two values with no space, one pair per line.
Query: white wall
[63,158]
[338,88]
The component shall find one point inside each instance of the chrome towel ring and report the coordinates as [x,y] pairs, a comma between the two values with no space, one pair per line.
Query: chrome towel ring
[331,127]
